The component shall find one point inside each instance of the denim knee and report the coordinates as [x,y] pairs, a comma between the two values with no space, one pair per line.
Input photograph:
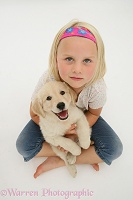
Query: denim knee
[28,149]
[30,141]
[117,149]
[21,147]
[108,145]
[109,151]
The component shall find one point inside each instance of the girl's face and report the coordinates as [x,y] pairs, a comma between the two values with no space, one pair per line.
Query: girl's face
[76,61]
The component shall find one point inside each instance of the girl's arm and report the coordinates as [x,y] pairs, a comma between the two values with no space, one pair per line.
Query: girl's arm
[34,117]
[92,115]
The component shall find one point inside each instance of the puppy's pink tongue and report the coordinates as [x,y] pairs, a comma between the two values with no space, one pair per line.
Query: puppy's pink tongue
[63,114]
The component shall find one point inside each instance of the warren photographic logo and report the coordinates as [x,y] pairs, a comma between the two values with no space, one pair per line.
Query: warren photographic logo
[47,192]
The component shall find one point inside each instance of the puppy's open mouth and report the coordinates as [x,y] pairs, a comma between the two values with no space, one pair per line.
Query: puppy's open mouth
[62,115]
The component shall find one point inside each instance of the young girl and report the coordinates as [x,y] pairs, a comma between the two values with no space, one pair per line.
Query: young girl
[76,57]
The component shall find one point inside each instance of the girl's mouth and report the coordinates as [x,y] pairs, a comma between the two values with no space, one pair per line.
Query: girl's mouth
[76,78]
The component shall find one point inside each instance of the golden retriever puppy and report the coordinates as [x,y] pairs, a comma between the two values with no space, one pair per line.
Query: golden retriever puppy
[55,106]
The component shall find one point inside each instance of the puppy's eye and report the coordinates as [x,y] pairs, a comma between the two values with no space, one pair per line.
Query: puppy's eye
[62,92]
[48,98]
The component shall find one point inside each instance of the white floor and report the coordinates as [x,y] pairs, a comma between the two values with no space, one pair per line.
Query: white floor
[26,33]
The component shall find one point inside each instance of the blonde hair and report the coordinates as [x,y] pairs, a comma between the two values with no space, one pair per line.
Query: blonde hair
[100,68]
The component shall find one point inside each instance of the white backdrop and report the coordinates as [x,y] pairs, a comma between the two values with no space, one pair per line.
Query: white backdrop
[27,29]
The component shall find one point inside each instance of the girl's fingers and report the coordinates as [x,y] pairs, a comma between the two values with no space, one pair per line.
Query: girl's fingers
[72,130]
[73,126]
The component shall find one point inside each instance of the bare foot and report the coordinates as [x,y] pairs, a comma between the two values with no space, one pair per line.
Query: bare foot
[95,166]
[49,164]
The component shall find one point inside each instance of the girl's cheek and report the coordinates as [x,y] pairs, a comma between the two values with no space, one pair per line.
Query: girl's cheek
[62,71]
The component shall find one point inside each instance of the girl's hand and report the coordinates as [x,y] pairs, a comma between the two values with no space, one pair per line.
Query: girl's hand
[72,130]
[72,134]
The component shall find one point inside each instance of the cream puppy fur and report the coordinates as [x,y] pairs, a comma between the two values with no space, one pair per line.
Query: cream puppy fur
[55,106]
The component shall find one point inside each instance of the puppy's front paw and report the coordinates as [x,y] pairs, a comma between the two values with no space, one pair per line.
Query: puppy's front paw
[85,144]
[71,159]
[76,150]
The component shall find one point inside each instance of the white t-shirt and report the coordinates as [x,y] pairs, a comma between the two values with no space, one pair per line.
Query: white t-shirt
[93,96]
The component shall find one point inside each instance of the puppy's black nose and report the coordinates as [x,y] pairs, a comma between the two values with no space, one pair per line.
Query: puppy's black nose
[61,105]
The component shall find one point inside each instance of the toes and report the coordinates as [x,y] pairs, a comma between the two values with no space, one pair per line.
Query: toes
[96,167]
[35,175]
[38,172]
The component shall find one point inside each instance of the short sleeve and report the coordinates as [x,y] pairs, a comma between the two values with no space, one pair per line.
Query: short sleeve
[93,96]
[97,97]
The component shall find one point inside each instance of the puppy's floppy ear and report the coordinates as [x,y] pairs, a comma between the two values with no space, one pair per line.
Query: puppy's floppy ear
[37,107]
[72,94]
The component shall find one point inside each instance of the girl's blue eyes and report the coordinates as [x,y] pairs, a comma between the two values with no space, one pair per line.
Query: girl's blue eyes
[69,59]
[87,60]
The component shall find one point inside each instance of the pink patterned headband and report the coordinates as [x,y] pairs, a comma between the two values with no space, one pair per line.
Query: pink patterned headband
[78,31]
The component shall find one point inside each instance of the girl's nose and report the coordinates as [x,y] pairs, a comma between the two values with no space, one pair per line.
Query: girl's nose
[77,68]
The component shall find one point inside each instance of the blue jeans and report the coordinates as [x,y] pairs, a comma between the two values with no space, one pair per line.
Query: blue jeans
[107,144]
